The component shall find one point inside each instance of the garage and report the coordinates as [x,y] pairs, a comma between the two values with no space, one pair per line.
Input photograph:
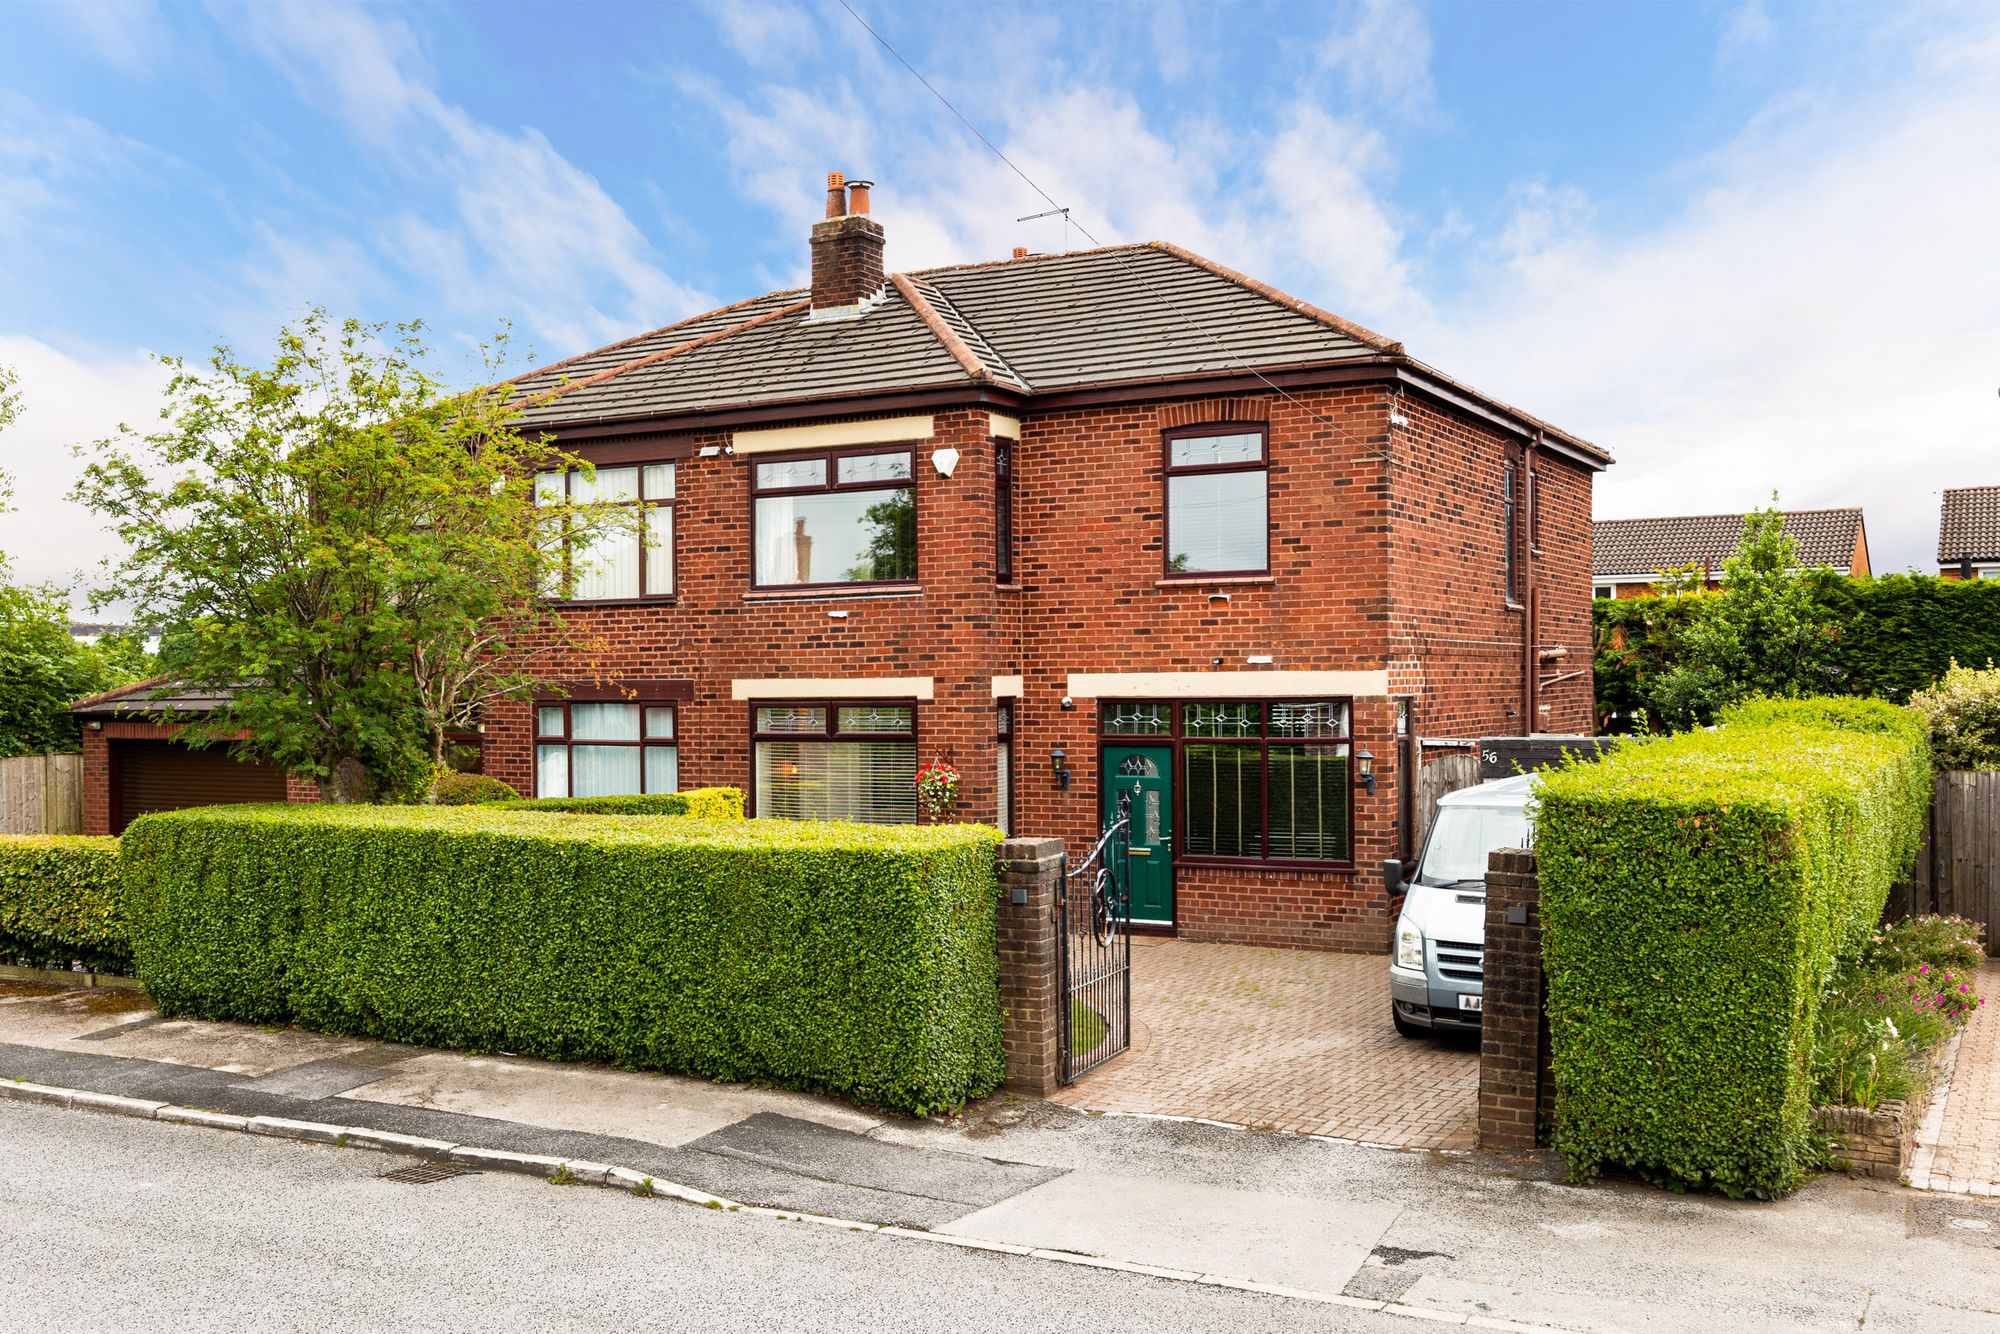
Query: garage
[148,776]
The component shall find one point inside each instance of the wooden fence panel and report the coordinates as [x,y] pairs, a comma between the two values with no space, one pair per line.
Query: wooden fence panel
[1959,870]
[1446,773]
[41,794]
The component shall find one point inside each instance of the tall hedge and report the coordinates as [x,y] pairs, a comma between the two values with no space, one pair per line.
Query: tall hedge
[858,959]
[1893,635]
[701,803]
[59,903]
[1698,892]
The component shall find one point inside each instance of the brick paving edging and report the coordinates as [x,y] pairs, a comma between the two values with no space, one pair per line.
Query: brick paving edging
[585,1173]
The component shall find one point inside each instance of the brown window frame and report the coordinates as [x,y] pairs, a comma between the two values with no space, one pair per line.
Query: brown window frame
[1005,720]
[831,457]
[832,734]
[1510,528]
[567,739]
[1003,511]
[641,504]
[1170,470]
[1175,739]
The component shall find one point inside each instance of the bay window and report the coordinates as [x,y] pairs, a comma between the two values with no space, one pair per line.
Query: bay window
[836,518]
[1217,502]
[605,749]
[829,760]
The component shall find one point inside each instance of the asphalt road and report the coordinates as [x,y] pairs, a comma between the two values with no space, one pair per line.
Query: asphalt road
[115,1224]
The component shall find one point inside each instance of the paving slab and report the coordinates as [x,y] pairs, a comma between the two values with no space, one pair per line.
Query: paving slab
[42,1015]
[660,1109]
[1313,1244]
[808,1149]
[333,1074]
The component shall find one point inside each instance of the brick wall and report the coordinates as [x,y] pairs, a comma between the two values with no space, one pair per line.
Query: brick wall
[1029,933]
[1516,1091]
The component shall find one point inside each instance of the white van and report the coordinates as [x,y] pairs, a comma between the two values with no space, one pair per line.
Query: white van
[1436,977]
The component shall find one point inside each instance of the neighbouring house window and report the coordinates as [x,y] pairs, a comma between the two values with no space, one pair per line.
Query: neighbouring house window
[605,749]
[1256,780]
[841,518]
[1510,535]
[1003,512]
[630,562]
[1604,591]
[1004,772]
[1217,503]
[828,760]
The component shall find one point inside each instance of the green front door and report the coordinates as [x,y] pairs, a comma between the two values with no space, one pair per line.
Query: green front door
[1146,774]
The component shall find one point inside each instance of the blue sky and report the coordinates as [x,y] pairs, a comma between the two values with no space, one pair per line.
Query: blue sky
[1742,246]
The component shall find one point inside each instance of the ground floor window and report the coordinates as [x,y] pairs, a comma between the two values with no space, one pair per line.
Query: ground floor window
[605,749]
[828,760]
[1004,773]
[1253,780]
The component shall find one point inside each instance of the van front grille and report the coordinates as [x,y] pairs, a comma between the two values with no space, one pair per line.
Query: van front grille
[1461,960]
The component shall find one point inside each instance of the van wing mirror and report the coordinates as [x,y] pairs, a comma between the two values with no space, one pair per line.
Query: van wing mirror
[1392,875]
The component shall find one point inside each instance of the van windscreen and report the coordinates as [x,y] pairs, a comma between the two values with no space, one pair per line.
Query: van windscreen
[1462,837]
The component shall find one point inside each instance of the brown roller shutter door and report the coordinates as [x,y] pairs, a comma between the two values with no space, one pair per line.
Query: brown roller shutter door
[152,776]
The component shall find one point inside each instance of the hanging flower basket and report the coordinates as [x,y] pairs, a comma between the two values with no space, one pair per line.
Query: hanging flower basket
[937,789]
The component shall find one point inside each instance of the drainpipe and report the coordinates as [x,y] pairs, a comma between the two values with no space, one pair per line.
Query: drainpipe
[1530,669]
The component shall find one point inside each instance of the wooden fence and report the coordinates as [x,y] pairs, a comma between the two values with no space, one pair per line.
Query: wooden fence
[1440,774]
[41,794]
[1958,870]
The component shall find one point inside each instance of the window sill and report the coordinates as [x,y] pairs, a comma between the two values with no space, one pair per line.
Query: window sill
[1010,588]
[1201,580]
[1246,864]
[1515,606]
[588,604]
[821,594]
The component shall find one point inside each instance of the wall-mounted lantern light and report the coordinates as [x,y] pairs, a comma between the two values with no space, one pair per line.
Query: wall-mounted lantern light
[1364,769]
[1059,762]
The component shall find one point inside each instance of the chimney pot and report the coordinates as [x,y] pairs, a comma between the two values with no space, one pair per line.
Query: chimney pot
[1020,252]
[846,247]
[857,197]
[836,194]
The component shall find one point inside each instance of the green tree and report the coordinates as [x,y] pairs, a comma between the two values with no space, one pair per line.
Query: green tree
[1764,634]
[319,538]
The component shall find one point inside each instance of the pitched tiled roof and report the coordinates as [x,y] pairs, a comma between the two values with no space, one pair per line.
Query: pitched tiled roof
[1647,546]
[1969,524]
[1033,325]
[155,695]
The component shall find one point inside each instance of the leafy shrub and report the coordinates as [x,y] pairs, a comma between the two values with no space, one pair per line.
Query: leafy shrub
[1963,713]
[59,903]
[1913,986]
[702,803]
[452,788]
[859,959]
[1954,944]
[1699,892]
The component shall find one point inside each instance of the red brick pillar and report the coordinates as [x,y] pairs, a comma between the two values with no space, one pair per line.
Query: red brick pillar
[1516,1092]
[1029,936]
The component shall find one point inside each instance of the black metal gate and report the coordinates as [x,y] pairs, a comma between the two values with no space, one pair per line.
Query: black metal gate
[1097,952]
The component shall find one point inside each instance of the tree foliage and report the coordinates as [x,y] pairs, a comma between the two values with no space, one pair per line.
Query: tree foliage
[347,544]
[1963,713]
[1763,634]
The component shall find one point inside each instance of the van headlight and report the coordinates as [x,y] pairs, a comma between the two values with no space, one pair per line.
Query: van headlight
[1409,947]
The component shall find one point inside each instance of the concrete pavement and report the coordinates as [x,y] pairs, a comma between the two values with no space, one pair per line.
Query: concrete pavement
[1463,1236]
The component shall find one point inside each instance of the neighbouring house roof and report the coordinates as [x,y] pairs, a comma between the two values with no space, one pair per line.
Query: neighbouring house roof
[155,696]
[1646,546]
[1031,326]
[1969,524]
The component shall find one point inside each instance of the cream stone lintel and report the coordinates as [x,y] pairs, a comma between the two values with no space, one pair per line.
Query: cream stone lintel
[833,435]
[1003,427]
[833,687]
[1007,687]
[1225,685]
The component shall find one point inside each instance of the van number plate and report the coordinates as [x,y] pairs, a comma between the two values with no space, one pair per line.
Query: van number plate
[1466,1002]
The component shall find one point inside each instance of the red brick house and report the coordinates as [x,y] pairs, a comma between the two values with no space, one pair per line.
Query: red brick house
[1057,518]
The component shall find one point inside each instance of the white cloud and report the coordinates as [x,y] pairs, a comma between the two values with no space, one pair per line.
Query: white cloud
[1383,55]
[764,32]
[529,232]
[66,399]
[129,34]
[1746,34]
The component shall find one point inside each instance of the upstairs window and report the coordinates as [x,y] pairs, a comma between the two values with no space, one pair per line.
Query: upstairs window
[1003,512]
[844,518]
[1510,533]
[628,562]
[1217,503]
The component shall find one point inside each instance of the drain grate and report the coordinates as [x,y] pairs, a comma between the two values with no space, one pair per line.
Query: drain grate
[423,1174]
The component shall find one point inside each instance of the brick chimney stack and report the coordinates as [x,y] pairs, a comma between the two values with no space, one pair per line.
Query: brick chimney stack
[846,247]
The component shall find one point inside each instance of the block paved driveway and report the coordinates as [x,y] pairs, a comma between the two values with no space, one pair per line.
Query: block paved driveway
[1282,1040]
[1958,1146]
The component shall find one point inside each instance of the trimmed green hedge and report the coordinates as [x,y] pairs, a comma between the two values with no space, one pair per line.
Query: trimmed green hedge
[1698,894]
[1895,634]
[859,959]
[59,903]
[701,803]
[452,788]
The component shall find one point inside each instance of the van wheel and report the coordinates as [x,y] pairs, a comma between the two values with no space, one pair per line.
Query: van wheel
[1404,1026]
